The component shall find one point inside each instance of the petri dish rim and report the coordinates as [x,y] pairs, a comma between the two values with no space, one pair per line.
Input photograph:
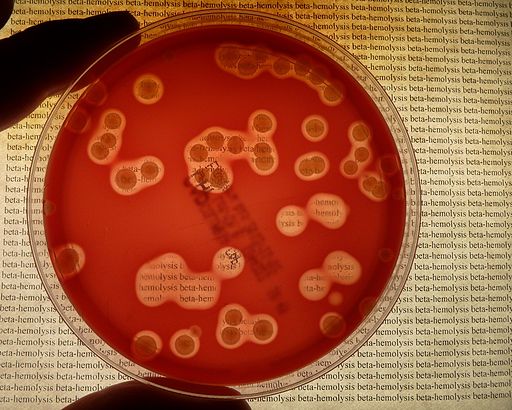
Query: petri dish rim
[410,235]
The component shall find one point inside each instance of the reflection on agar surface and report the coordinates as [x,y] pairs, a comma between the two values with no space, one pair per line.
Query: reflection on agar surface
[185,343]
[146,345]
[229,188]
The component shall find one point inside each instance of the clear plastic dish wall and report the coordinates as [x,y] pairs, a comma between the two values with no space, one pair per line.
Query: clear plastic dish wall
[350,345]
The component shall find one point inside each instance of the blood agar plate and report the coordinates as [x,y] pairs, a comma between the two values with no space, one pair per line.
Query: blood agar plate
[229,209]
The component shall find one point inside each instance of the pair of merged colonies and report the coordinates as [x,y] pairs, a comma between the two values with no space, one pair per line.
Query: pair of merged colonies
[327,209]
[240,238]
[210,154]
[338,267]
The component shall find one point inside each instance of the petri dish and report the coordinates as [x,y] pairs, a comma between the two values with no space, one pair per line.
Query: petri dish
[229,210]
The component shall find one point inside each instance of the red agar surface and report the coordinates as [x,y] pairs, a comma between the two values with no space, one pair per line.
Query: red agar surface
[228,208]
